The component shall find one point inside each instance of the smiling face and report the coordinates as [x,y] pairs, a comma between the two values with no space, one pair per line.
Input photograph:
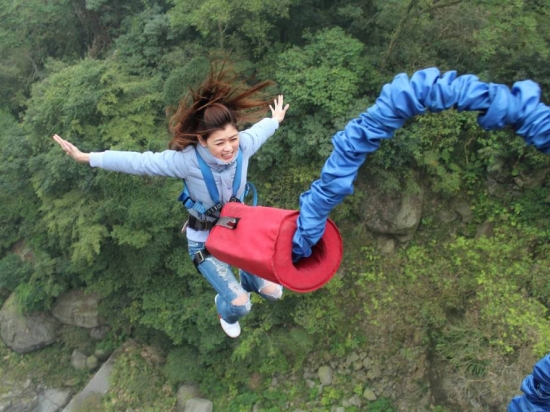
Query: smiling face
[223,144]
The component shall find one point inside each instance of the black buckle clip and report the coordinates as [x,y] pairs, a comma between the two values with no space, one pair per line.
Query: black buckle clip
[200,257]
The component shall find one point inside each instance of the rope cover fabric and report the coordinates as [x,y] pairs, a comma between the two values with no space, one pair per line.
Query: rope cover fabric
[403,98]
[536,389]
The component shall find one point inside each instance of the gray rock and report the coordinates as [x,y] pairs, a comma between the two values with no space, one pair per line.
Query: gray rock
[99,332]
[78,359]
[186,392]
[485,230]
[308,375]
[396,213]
[26,333]
[358,365]
[447,216]
[310,384]
[374,372]
[198,405]
[355,401]
[97,387]
[464,209]
[325,374]
[352,358]
[92,362]
[367,363]
[535,178]
[78,309]
[16,396]
[101,354]
[369,395]
[52,400]
[386,245]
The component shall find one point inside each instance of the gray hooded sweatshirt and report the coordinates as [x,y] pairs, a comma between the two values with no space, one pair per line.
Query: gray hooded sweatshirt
[184,165]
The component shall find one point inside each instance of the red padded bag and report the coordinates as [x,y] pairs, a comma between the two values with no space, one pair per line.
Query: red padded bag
[261,243]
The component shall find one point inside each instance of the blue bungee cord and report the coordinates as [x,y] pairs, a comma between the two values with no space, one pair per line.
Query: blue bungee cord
[403,98]
[536,389]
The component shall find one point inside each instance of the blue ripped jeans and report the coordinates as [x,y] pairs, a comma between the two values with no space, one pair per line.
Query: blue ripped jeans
[222,279]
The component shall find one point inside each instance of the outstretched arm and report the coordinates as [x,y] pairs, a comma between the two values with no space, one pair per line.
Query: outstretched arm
[72,150]
[254,137]
[167,163]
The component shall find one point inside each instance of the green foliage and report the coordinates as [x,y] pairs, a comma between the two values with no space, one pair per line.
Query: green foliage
[515,46]
[380,405]
[13,272]
[145,37]
[29,34]
[76,338]
[32,297]
[19,202]
[325,74]
[464,346]
[66,226]
[183,365]
[51,366]
[136,382]
[454,153]
[181,79]
[219,20]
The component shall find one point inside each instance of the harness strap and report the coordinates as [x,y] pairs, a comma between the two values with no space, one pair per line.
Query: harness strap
[200,257]
[198,224]
[212,188]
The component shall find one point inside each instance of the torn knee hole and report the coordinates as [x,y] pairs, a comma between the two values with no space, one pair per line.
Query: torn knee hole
[274,291]
[240,300]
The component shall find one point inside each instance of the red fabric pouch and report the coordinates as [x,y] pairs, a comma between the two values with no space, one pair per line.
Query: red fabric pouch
[258,240]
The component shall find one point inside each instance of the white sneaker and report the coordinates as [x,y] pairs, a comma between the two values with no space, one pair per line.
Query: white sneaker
[231,329]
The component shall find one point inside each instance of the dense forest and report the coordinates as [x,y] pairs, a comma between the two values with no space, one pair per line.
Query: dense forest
[102,74]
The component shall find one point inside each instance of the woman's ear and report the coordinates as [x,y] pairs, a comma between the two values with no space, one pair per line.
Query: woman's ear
[201,140]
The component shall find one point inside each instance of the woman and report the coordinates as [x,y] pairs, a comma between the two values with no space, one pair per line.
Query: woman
[205,130]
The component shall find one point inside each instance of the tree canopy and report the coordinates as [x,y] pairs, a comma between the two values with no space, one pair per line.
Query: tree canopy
[102,73]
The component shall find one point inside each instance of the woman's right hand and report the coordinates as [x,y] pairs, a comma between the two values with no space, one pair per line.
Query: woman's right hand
[72,150]
[278,111]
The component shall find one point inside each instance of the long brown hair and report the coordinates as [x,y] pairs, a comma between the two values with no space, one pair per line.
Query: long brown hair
[222,99]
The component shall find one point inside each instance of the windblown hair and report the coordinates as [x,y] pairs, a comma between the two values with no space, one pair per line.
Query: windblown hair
[222,99]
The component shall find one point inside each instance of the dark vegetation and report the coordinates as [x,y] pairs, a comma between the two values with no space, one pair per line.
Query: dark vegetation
[101,73]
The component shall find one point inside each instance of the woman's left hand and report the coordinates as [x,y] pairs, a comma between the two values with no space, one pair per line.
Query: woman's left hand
[72,150]
[278,112]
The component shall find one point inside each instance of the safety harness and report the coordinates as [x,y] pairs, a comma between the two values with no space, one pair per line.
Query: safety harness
[214,211]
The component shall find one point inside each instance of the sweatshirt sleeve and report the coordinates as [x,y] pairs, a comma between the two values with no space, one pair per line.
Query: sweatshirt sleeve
[253,138]
[169,163]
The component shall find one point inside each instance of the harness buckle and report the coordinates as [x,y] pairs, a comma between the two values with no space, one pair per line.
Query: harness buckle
[228,222]
[214,209]
[200,257]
